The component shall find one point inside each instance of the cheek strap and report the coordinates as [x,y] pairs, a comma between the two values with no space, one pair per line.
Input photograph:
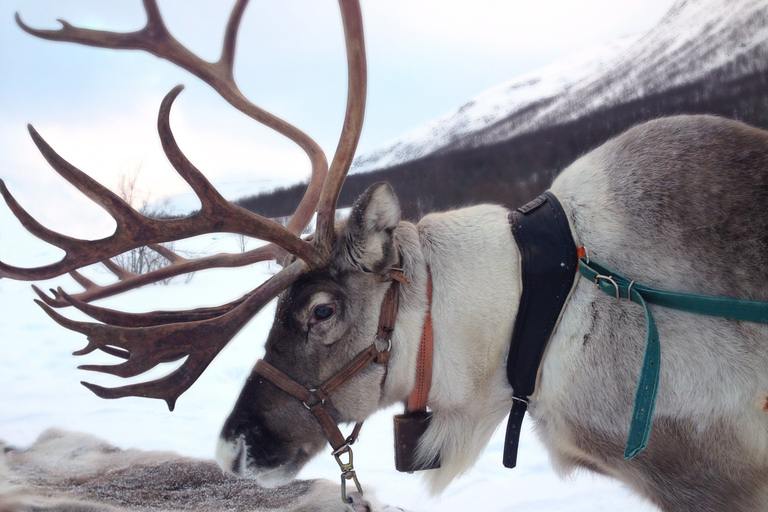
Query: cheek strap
[314,398]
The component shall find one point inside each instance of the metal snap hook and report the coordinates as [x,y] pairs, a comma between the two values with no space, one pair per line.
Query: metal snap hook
[347,472]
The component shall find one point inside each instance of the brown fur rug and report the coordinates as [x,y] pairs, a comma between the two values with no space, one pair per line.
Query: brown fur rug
[75,472]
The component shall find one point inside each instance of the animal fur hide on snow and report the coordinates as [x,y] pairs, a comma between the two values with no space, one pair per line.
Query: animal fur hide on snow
[75,472]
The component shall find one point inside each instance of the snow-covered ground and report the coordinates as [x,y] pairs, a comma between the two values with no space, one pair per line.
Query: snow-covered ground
[40,389]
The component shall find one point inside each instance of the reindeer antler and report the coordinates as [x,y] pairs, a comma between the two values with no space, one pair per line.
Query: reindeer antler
[357,76]
[155,39]
[135,230]
[147,339]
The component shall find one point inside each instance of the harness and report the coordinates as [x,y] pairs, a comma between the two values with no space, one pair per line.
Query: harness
[549,260]
[548,268]
[314,398]
[616,285]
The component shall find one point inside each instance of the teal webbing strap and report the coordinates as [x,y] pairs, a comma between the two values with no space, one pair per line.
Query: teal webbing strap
[618,286]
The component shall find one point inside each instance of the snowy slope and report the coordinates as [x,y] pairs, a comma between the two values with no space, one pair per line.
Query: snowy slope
[492,106]
[694,39]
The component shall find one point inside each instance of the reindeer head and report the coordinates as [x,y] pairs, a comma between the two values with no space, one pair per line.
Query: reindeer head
[331,287]
[323,321]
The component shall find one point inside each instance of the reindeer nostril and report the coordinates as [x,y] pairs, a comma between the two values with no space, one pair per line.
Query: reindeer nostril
[231,454]
[240,462]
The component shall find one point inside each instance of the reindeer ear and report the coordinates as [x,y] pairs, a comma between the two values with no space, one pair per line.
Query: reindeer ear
[377,209]
[368,242]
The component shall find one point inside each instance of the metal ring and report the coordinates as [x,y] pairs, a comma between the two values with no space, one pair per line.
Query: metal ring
[389,345]
[313,390]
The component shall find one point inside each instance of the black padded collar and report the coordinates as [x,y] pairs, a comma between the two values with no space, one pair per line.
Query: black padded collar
[549,261]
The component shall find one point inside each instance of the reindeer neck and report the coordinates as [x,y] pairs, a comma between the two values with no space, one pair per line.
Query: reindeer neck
[474,262]
[410,317]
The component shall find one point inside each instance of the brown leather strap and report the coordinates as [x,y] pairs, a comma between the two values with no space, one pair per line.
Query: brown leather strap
[356,431]
[398,274]
[350,370]
[388,314]
[417,401]
[387,319]
[282,381]
[296,390]
[330,427]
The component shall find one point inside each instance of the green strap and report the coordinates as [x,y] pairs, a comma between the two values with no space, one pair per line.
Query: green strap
[618,286]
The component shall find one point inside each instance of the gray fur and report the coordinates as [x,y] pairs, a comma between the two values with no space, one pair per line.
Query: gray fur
[678,203]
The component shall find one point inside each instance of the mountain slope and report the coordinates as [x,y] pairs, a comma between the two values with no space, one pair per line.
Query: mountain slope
[505,146]
[694,39]
[491,107]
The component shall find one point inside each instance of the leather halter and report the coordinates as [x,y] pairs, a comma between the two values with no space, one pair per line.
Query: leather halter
[314,398]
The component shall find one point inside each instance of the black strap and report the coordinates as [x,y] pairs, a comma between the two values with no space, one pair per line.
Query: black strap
[549,263]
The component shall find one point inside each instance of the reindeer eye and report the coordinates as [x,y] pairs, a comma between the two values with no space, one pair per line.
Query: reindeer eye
[322,312]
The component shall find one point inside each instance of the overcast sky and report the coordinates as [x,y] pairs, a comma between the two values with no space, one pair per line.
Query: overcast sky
[98,107]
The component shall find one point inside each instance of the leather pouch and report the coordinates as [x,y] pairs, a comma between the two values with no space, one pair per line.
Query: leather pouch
[409,428]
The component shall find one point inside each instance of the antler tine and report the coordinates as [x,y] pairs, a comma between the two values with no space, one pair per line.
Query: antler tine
[135,230]
[209,197]
[113,267]
[230,36]
[200,340]
[123,319]
[166,253]
[157,40]
[129,280]
[353,123]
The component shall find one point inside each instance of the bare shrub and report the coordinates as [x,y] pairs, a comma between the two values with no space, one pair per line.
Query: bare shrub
[142,260]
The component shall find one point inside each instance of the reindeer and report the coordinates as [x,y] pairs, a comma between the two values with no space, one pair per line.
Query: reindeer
[677,203]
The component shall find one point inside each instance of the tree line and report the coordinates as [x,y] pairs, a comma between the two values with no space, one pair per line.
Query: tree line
[514,171]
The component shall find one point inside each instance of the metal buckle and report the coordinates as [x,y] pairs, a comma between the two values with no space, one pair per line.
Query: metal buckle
[319,400]
[610,280]
[521,400]
[629,289]
[347,472]
[381,341]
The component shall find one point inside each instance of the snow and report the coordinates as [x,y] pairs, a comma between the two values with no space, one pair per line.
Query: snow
[39,379]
